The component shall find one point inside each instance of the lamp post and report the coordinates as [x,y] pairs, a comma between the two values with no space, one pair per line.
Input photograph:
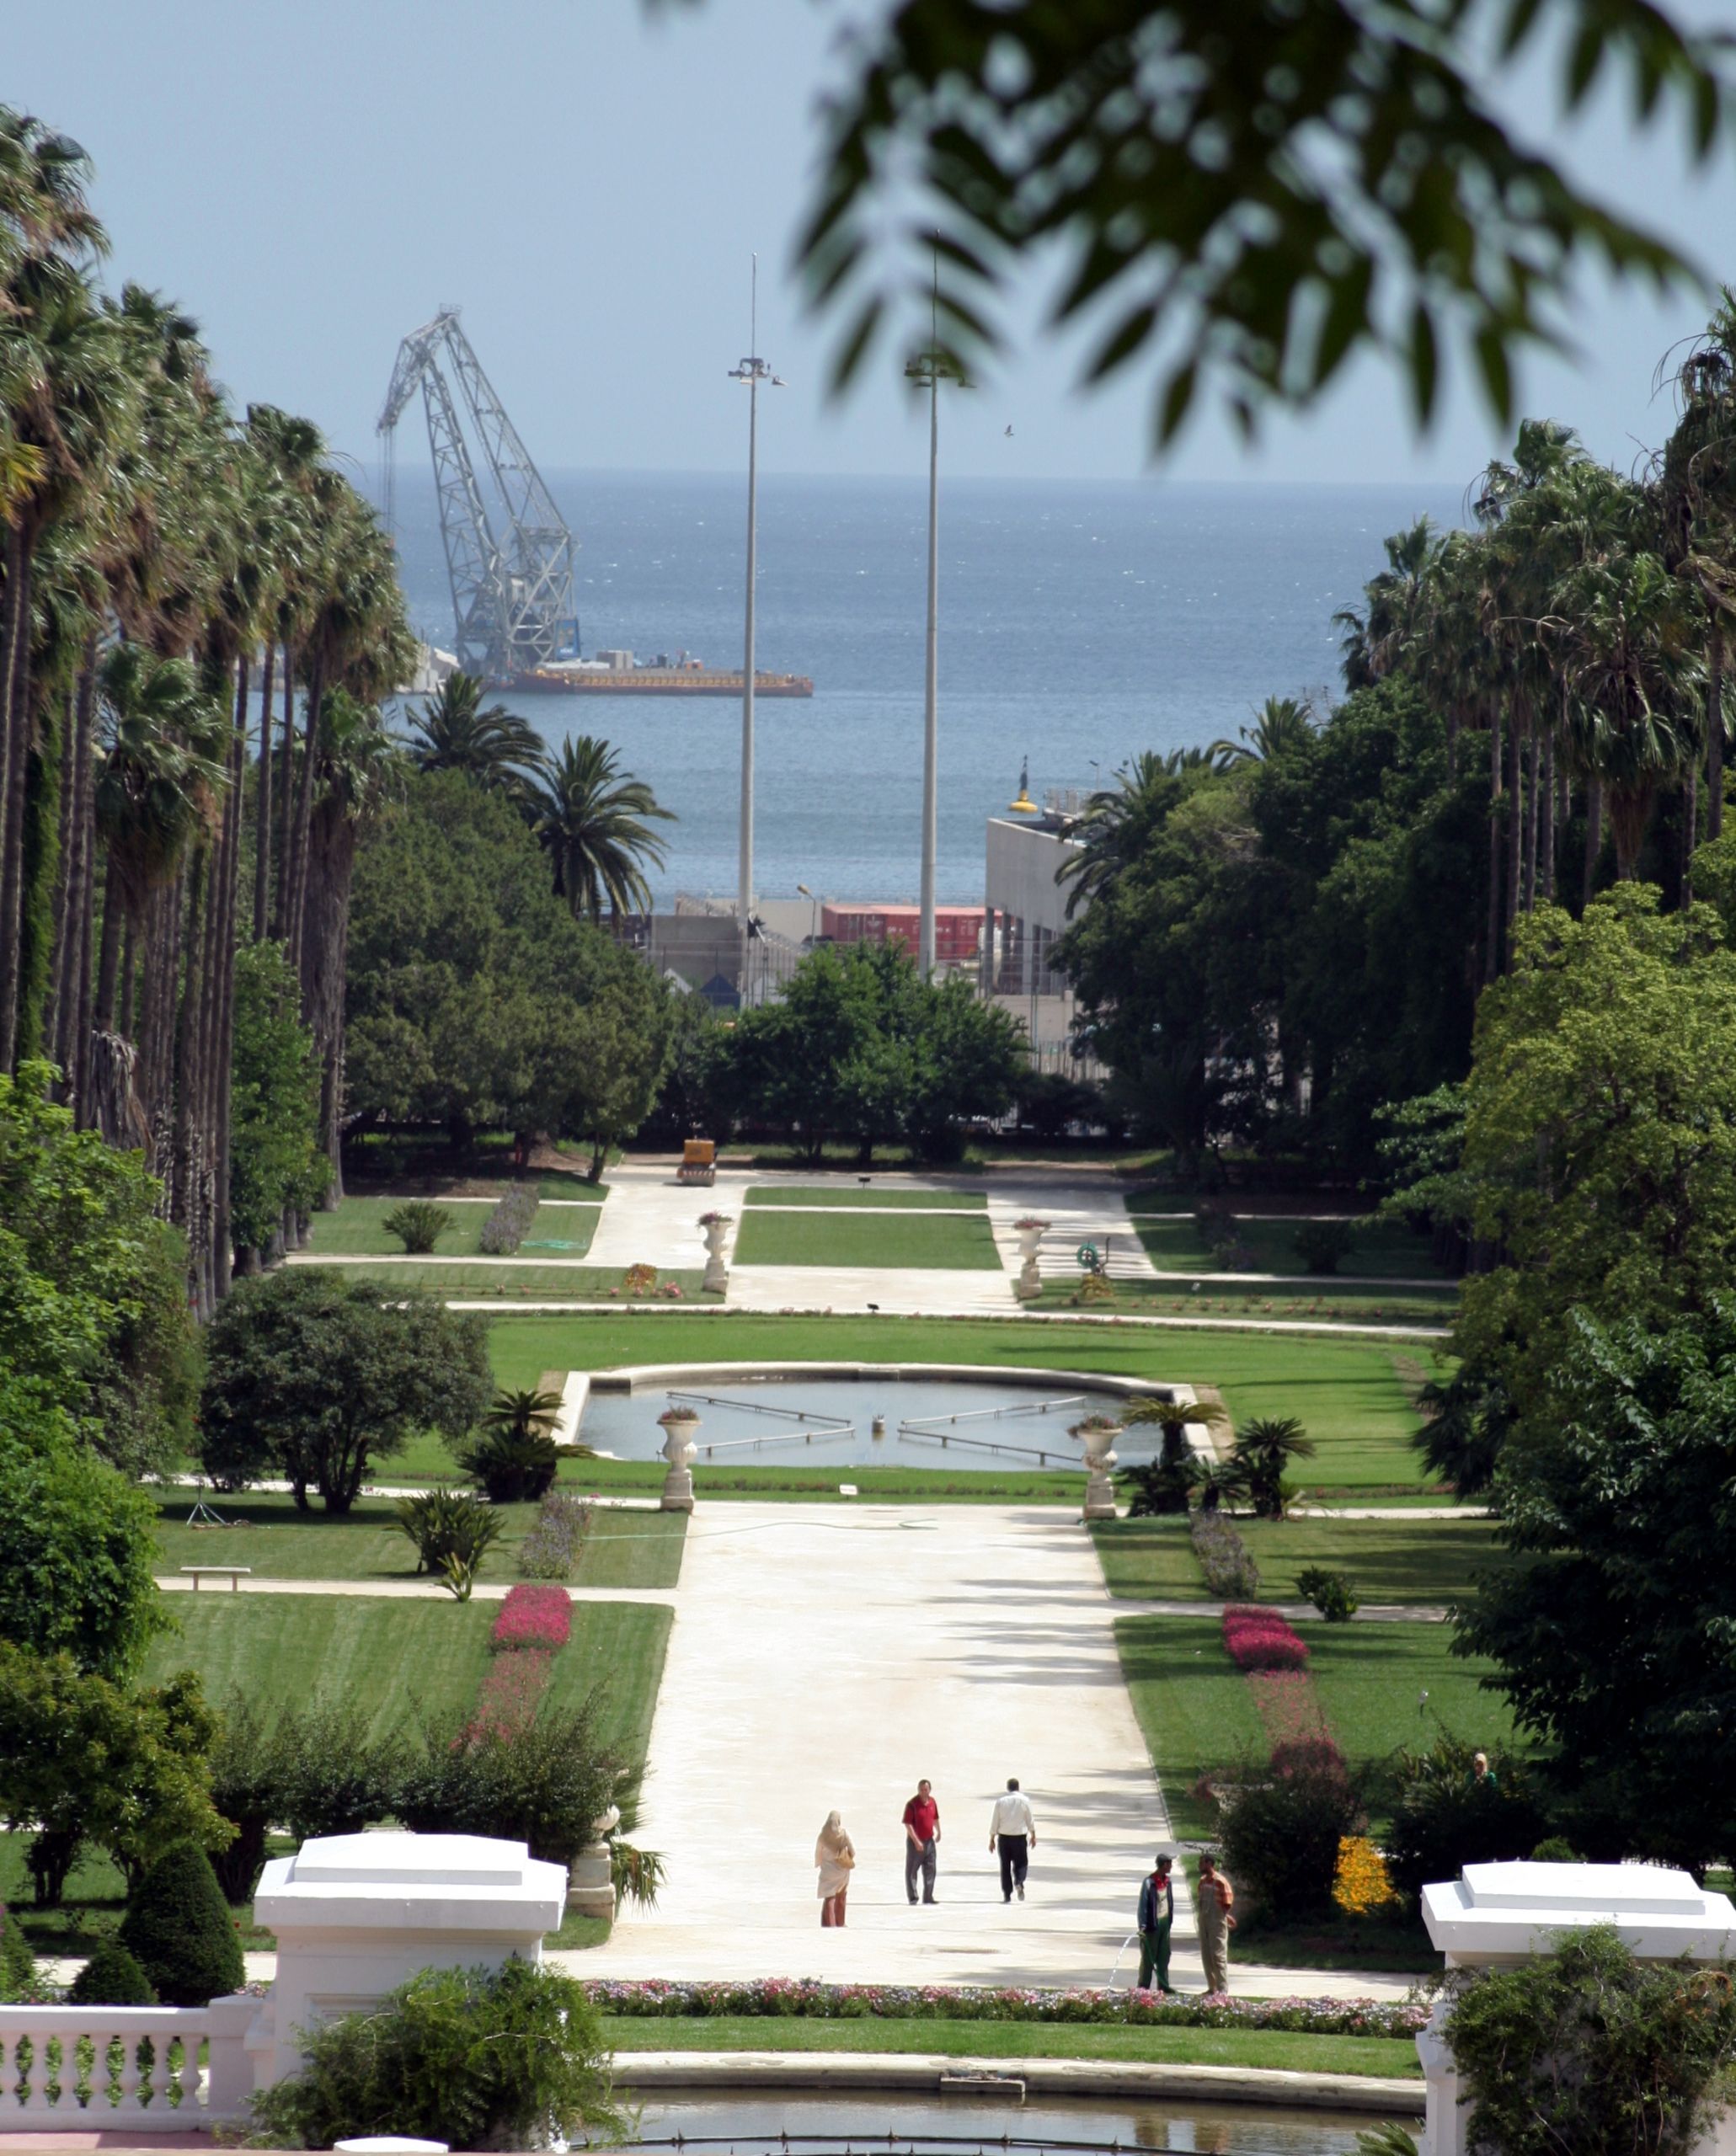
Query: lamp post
[753,372]
[813,925]
[928,370]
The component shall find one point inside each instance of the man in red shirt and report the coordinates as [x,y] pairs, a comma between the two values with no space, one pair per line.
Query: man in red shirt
[922,1832]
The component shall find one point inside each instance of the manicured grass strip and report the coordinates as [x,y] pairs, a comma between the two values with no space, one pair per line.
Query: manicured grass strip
[278,1542]
[869,1239]
[358,1228]
[1192,1706]
[1370,1679]
[1386,1250]
[387,1658]
[1417,1560]
[488,1280]
[1269,2048]
[1329,1302]
[910,1201]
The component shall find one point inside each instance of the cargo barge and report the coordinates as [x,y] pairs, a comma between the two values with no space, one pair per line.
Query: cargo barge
[620,673]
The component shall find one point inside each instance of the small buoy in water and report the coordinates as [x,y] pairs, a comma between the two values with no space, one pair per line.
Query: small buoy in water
[878,1429]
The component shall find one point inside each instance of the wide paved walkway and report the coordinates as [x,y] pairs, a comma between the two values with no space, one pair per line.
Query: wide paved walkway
[822,1659]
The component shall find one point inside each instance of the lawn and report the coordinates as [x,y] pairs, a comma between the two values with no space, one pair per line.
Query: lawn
[473,1280]
[358,1228]
[880,1200]
[1386,1250]
[622,1548]
[1417,1560]
[388,1658]
[1328,1302]
[1001,2039]
[944,1242]
[1197,1711]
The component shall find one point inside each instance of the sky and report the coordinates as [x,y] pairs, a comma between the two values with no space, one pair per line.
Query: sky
[589,179]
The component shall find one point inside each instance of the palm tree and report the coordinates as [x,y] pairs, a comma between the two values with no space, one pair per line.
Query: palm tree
[1117,823]
[594,822]
[1697,480]
[1282,725]
[1264,1449]
[1376,638]
[496,747]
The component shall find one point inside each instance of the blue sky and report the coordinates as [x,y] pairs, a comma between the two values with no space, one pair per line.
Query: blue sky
[313,178]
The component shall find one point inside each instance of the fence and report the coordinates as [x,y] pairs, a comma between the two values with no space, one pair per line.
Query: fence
[91,2068]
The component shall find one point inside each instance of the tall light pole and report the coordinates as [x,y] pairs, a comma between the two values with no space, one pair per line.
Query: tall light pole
[752,372]
[928,370]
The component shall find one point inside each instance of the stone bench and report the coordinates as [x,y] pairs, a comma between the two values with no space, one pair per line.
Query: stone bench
[235,1574]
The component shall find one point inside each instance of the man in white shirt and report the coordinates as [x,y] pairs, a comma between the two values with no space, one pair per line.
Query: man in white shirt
[1014,1830]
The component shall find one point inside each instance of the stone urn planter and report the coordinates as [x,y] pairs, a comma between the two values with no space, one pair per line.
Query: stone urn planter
[1030,1234]
[716,1229]
[678,1424]
[1098,1434]
[590,1877]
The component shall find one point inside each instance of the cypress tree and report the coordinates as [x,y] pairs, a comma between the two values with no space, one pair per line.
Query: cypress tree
[178,1926]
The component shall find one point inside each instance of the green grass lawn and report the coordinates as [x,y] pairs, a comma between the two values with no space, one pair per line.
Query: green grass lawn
[389,1658]
[490,1278]
[1327,1302]
[1415,1560]
[1281,2048]
[1197,1711]
[620,1548]
[358,1229]
[869,1239]
[1385,1250]
[907,1201]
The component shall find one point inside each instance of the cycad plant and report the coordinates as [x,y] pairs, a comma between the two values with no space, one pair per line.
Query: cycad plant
[1264,1449]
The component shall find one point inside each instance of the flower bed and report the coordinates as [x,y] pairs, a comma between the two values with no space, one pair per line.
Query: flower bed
[533,1617]
[1260,1639]
[806,1999]
[508,1697]
[1228,1568]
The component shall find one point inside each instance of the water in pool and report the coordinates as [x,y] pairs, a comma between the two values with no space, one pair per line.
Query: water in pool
[926,2125]
[868,1422]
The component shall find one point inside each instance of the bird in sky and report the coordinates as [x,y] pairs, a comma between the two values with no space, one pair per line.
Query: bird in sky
[1009,434]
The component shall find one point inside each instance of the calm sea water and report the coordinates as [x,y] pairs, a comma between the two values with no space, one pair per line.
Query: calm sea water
[1080,623]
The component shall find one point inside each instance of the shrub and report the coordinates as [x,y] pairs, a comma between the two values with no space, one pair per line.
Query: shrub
[512,1466]
[541,1780]
[533,1617]
[1259,1638]
[1329,1592]
[1362,1886]
[1555,1848]
[1443,1820]
[509,1222]
[244,1787]
[1095,1288]
[1280,1833]
[448,1523]
[178,1926]
[331,1778]
[639,1279]
[512,2058]
[111,1977]
[1231,1573]
[76,1556]
[1264,1449]
[18,1964]
[1161,1486]
[551,1550]
[1323,1245]
[1588,2049]
[418,1225]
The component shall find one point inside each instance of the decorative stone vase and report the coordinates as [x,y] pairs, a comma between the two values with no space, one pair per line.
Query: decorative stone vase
[591,1878]
[716,1275]
[1030,1234]
[678,1424]
[1098,1434]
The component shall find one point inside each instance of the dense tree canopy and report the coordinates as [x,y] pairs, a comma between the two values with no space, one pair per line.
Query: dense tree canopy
[315,1377]
[476,1000]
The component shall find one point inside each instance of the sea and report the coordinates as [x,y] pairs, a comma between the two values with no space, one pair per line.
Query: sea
[1080,624]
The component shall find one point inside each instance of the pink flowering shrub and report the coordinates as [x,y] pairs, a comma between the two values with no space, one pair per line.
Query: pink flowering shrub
[1257,1638]
[536,1617]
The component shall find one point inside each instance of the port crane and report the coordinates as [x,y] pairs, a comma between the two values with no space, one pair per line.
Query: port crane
[512,594]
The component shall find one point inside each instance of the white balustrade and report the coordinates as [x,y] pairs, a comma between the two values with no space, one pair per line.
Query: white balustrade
[85,2068]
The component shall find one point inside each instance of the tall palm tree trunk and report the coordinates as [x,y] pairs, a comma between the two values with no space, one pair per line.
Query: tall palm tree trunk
[72,984]
[285,794]
[1715,728]
[54,1011]
[185,1192]
[1546,837]
[262,844]
[16,715]
[1492,952]
[103,1007]
[302,831]
[222,1049]
[1594,833]
[1533,766]
[1515,834]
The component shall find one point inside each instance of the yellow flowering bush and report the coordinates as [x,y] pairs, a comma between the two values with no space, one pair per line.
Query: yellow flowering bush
[1361,1884]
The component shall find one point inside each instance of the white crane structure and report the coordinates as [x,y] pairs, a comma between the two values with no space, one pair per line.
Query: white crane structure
[512,580]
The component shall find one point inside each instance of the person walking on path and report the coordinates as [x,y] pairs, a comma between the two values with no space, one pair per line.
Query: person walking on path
[1217,1898]
[1014,1831]
[921,1838]
[835,1857]
[1155,1921]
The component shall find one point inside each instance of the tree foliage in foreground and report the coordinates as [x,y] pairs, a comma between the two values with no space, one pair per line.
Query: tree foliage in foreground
[275,1164]
[1615,1638]
[315,1377]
